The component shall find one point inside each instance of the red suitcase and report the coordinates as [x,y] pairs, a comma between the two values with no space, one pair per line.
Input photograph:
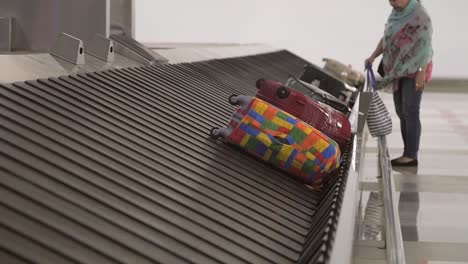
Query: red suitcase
[329,121]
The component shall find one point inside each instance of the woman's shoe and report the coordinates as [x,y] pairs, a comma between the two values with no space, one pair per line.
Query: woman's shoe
[399,162]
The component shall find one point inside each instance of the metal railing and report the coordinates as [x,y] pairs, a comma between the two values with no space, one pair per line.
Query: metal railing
[394,241]
[345,232]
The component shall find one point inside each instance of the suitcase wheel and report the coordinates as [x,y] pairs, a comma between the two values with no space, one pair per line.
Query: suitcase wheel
[232,100]
[222,132]
[259,83]
[214,132]
[282,92]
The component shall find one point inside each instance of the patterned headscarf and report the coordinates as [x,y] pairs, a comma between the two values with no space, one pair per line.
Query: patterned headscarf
[407,42]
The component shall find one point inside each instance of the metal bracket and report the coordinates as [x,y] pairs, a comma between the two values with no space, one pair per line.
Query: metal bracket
[136,51]
[101,48]
[5,33]
[69,48]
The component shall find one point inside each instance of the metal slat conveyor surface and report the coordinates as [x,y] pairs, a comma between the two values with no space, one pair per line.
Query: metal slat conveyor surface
[117,166]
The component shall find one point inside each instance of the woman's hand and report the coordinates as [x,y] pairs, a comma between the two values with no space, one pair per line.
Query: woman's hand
[369,61]
[420,80]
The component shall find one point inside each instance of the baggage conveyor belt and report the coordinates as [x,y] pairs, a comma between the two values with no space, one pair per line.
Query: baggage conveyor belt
[117,166]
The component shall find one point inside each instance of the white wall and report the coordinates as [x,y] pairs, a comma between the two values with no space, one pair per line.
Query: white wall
[341,29]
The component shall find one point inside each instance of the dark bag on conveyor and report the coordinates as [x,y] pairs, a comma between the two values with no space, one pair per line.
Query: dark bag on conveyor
[326,81]
[317,94]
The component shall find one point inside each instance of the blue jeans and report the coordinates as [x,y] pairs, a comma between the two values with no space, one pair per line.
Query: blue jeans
[407,102]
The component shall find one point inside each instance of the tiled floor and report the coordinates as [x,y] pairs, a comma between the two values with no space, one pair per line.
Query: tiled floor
[432,199]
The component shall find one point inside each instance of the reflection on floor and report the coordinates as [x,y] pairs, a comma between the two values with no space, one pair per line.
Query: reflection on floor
[433,198]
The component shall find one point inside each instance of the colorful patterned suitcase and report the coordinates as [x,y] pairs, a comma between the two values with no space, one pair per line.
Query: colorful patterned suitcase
[328,120]
[281,139]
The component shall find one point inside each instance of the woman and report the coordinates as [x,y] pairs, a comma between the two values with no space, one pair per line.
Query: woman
[407,64]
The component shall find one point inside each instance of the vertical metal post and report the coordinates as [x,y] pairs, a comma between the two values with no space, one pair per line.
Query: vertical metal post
[394,240]
[5,33]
